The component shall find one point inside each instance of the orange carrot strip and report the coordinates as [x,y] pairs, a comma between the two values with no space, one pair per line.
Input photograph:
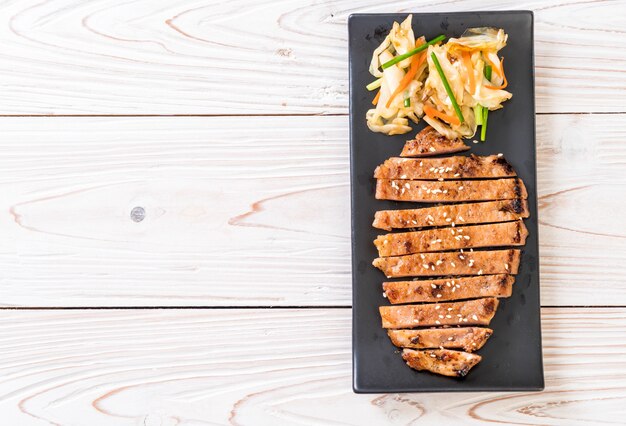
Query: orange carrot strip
[416,62]
[470,71]
[376,98]
[504,82]
[433,113]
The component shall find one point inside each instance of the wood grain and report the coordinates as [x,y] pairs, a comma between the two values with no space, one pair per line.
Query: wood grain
[199,57]
[267,367]
[238,213]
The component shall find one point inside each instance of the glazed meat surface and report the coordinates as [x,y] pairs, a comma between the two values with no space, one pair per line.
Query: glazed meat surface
[428,191]
[459,167]
[441,361]
[487,262]
[460,237]
[457,288]
[458,214]
[470,312]
[430,142]
[469,339]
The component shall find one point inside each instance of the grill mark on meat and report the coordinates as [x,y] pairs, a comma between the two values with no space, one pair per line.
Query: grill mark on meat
[514,206]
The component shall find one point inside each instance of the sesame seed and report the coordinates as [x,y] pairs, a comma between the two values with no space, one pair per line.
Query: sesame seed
[461,257]
[445,214]
[438,296]
[450,338]
[445,191]
[448,284]
[403,177]
[452,231]
[432,149]
[473,343]
[384,295]
[403,190]
[424,187]
[416,320]
[414,222]
[458,237]
[440,179]
[448,169]
[467,237]
[464,319]
[500,154]
[475,141]
[461,188]
[448,316]
[458,286]
[433,286]
[432,267]
[480,272]
[407,186]
[449,309]
[432,169]
[425,266]
[439,262]
[448,219]
[433,355]
[428,191]
[459,315]
[474,317]
[457,174]
[437,322]
[441,316]
[461,219]
[453,264]
[453,224]
[437,307]
[471,262]
[422,256]
[506,266]
[420,164]
[453,289]
[441,347]
[433,241]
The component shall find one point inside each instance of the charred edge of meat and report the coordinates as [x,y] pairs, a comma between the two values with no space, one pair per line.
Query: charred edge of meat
[506,166]
[511,255]
[463,371]
[518,233]
[504,281]
[415,340]
[514,206]
[517,189]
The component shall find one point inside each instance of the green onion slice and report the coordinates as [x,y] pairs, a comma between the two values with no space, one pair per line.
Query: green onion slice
[374,84]
[444,80]
[412,52]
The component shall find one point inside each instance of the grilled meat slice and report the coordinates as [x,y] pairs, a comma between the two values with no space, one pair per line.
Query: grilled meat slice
[430,142]
[428,191]
[470,312]
[460,237]
[485,212]
[469,339]
[460,167]
[486,262]
[441,361]
[500,285]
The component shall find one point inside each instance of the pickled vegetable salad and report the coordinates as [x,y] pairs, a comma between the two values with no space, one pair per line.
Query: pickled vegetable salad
[452,86]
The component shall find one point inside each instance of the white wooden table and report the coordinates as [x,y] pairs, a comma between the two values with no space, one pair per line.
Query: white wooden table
[226,300]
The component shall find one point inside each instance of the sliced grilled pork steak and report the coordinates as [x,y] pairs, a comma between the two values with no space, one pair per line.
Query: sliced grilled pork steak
[430,142]
[470,312]
[428,191]
[459,167]
[457,288]
[441,361]
[461,237]
[486,262]
[469,339]
[458,214]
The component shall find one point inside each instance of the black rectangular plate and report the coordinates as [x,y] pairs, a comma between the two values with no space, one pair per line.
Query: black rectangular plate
[512,357]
